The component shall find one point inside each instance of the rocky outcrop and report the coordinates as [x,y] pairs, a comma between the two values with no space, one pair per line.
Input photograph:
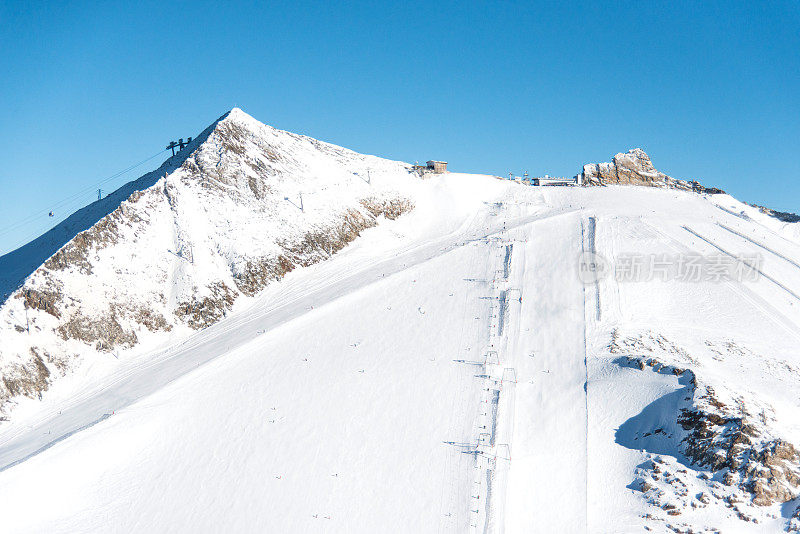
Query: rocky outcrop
[783,216]
[389,208]
[794,521]
[203,312]
[106,331]
[45,300]
[257,273]
[28,379]
[631,168]
[727,454]
[635,168]
[766,469]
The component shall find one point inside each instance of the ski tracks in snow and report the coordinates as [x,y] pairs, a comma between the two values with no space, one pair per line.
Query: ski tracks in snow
[547,475]
[757,301]
[735,258]
[759,244]
[537,349]
[22,441]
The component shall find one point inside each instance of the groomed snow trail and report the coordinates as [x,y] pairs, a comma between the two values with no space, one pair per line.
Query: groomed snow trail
[498,381]
[18,444]
[445,389]
[547,472]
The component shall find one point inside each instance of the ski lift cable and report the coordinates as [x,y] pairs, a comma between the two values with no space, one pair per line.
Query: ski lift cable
[37,225]
[72,198]
[68,208]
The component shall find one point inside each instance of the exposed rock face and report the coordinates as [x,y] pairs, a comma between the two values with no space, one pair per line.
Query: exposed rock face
[783,216]
[315,246]
[201,313]
[45,300]
[794,521]
[29,379]
[391,208]
[635,168]
[175,249]
[767,469]
[631,168]
[732,453]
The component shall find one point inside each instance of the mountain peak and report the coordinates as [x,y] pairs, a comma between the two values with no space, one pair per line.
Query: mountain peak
[235,112]
[238,208]
[238,115]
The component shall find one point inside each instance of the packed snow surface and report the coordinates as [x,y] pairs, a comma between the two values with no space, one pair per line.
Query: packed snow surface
[447,371]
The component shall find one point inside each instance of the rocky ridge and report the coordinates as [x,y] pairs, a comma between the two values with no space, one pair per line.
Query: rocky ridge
[635,168]
[783,216]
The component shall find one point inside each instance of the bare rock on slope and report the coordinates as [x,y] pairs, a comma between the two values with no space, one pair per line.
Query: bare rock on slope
[783,216]
[631,168]
[634,167]
[730,450]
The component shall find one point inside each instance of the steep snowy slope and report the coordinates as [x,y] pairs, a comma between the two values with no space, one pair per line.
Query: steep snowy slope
[238,208]
[501,358]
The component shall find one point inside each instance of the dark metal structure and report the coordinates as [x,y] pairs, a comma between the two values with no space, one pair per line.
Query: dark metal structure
[179,145]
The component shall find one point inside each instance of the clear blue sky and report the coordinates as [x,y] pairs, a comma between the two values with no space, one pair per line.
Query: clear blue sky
[711,90]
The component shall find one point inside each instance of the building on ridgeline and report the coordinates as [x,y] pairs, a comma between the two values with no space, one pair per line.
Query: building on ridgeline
[434,167]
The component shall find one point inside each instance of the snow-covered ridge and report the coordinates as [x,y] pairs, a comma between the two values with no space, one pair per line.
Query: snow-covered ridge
[173,251]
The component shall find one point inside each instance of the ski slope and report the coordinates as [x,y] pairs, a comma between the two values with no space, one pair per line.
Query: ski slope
[550,412]
[330,302]
[446,372]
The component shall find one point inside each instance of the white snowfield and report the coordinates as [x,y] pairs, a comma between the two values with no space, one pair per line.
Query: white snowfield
[448,371]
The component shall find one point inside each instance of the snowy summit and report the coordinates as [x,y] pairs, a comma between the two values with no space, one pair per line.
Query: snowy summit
[270,333]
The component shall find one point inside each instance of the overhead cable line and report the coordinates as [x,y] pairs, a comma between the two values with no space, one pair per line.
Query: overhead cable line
[65,201]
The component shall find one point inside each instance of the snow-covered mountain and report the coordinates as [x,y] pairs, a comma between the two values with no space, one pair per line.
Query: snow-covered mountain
[477,356]
[238,208]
